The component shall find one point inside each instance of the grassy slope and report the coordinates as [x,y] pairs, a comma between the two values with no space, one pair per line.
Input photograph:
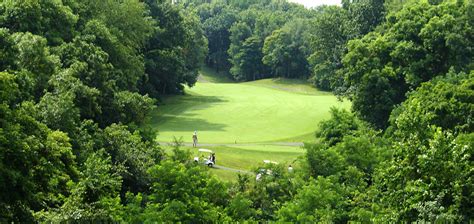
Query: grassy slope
[249,157]
[222,111]
[261,111]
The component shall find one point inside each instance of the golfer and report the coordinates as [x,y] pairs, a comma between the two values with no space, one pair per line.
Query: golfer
[195,139]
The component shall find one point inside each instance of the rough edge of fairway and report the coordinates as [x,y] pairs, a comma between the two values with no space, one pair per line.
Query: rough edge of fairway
[207,74]
[247,157]
[297,86]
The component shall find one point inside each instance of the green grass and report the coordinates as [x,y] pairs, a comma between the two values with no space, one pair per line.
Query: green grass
[224,175]
[210,75]
[247,157]
[258,113]
[242,113]
[290,85]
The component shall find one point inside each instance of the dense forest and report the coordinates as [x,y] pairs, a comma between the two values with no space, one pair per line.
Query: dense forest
[78,78]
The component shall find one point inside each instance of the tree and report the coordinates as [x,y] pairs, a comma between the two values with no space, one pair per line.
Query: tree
[322,200]
[419,42]
[247,64]
[36,163]
[132,107]
[364,15]
[94,197]
[432,145]
[174,52]
[428,179]
[51,19]
[181,193]
[286,50]
[132,156]
[342,123]
[217,20]
[328,39]
[444,101]
[34,63]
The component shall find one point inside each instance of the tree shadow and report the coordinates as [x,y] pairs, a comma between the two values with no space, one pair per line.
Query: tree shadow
[183,123]
[195,98]
[182,116]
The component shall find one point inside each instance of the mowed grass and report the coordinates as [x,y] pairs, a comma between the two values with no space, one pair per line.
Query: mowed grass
[272,110]
[247,157]
[243,121]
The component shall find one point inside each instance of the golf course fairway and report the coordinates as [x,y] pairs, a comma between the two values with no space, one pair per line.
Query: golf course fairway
[244,123]
[272,110]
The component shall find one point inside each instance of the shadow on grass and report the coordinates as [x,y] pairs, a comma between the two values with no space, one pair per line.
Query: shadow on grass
[290,81]
[183,123]
[201,99]
[210,75]
[177,114]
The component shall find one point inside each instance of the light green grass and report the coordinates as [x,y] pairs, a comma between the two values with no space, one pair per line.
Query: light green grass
[242,113]
[247,157]
[210,75]
[260,113]
[290,85]
[224,175]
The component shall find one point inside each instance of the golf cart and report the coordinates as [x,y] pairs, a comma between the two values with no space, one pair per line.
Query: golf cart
[265,170]
[202,158]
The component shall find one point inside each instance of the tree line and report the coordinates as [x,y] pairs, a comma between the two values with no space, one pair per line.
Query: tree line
[261,39]
[79,77]
[329,45]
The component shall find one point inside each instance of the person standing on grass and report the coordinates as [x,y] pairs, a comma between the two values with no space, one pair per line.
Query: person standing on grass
[195,139]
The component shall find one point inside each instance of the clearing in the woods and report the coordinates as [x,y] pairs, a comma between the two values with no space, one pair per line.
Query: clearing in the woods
[245,122]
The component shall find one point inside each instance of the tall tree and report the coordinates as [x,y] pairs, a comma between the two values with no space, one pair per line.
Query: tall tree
[419,42]
[217,20]
[286,50]
[329,36]
[174,52]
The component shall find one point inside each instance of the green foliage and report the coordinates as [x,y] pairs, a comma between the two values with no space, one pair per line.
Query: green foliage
[342,123]
[275,187]
[175,50]
[48,18]
[94,198]
[365,15]
[322,200]
[185,194]
[240,208]
[35,162]
[237,32]
[7,52]
[77,77]
[417,43]
[343,165]
[34,63]
[247,64]
[444,102]
[216,20]
[134,155]
[286,50]
[323,161]
[331,29]
[329,35]
[9,88]
[76,67]
[132,107]
[429,179]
